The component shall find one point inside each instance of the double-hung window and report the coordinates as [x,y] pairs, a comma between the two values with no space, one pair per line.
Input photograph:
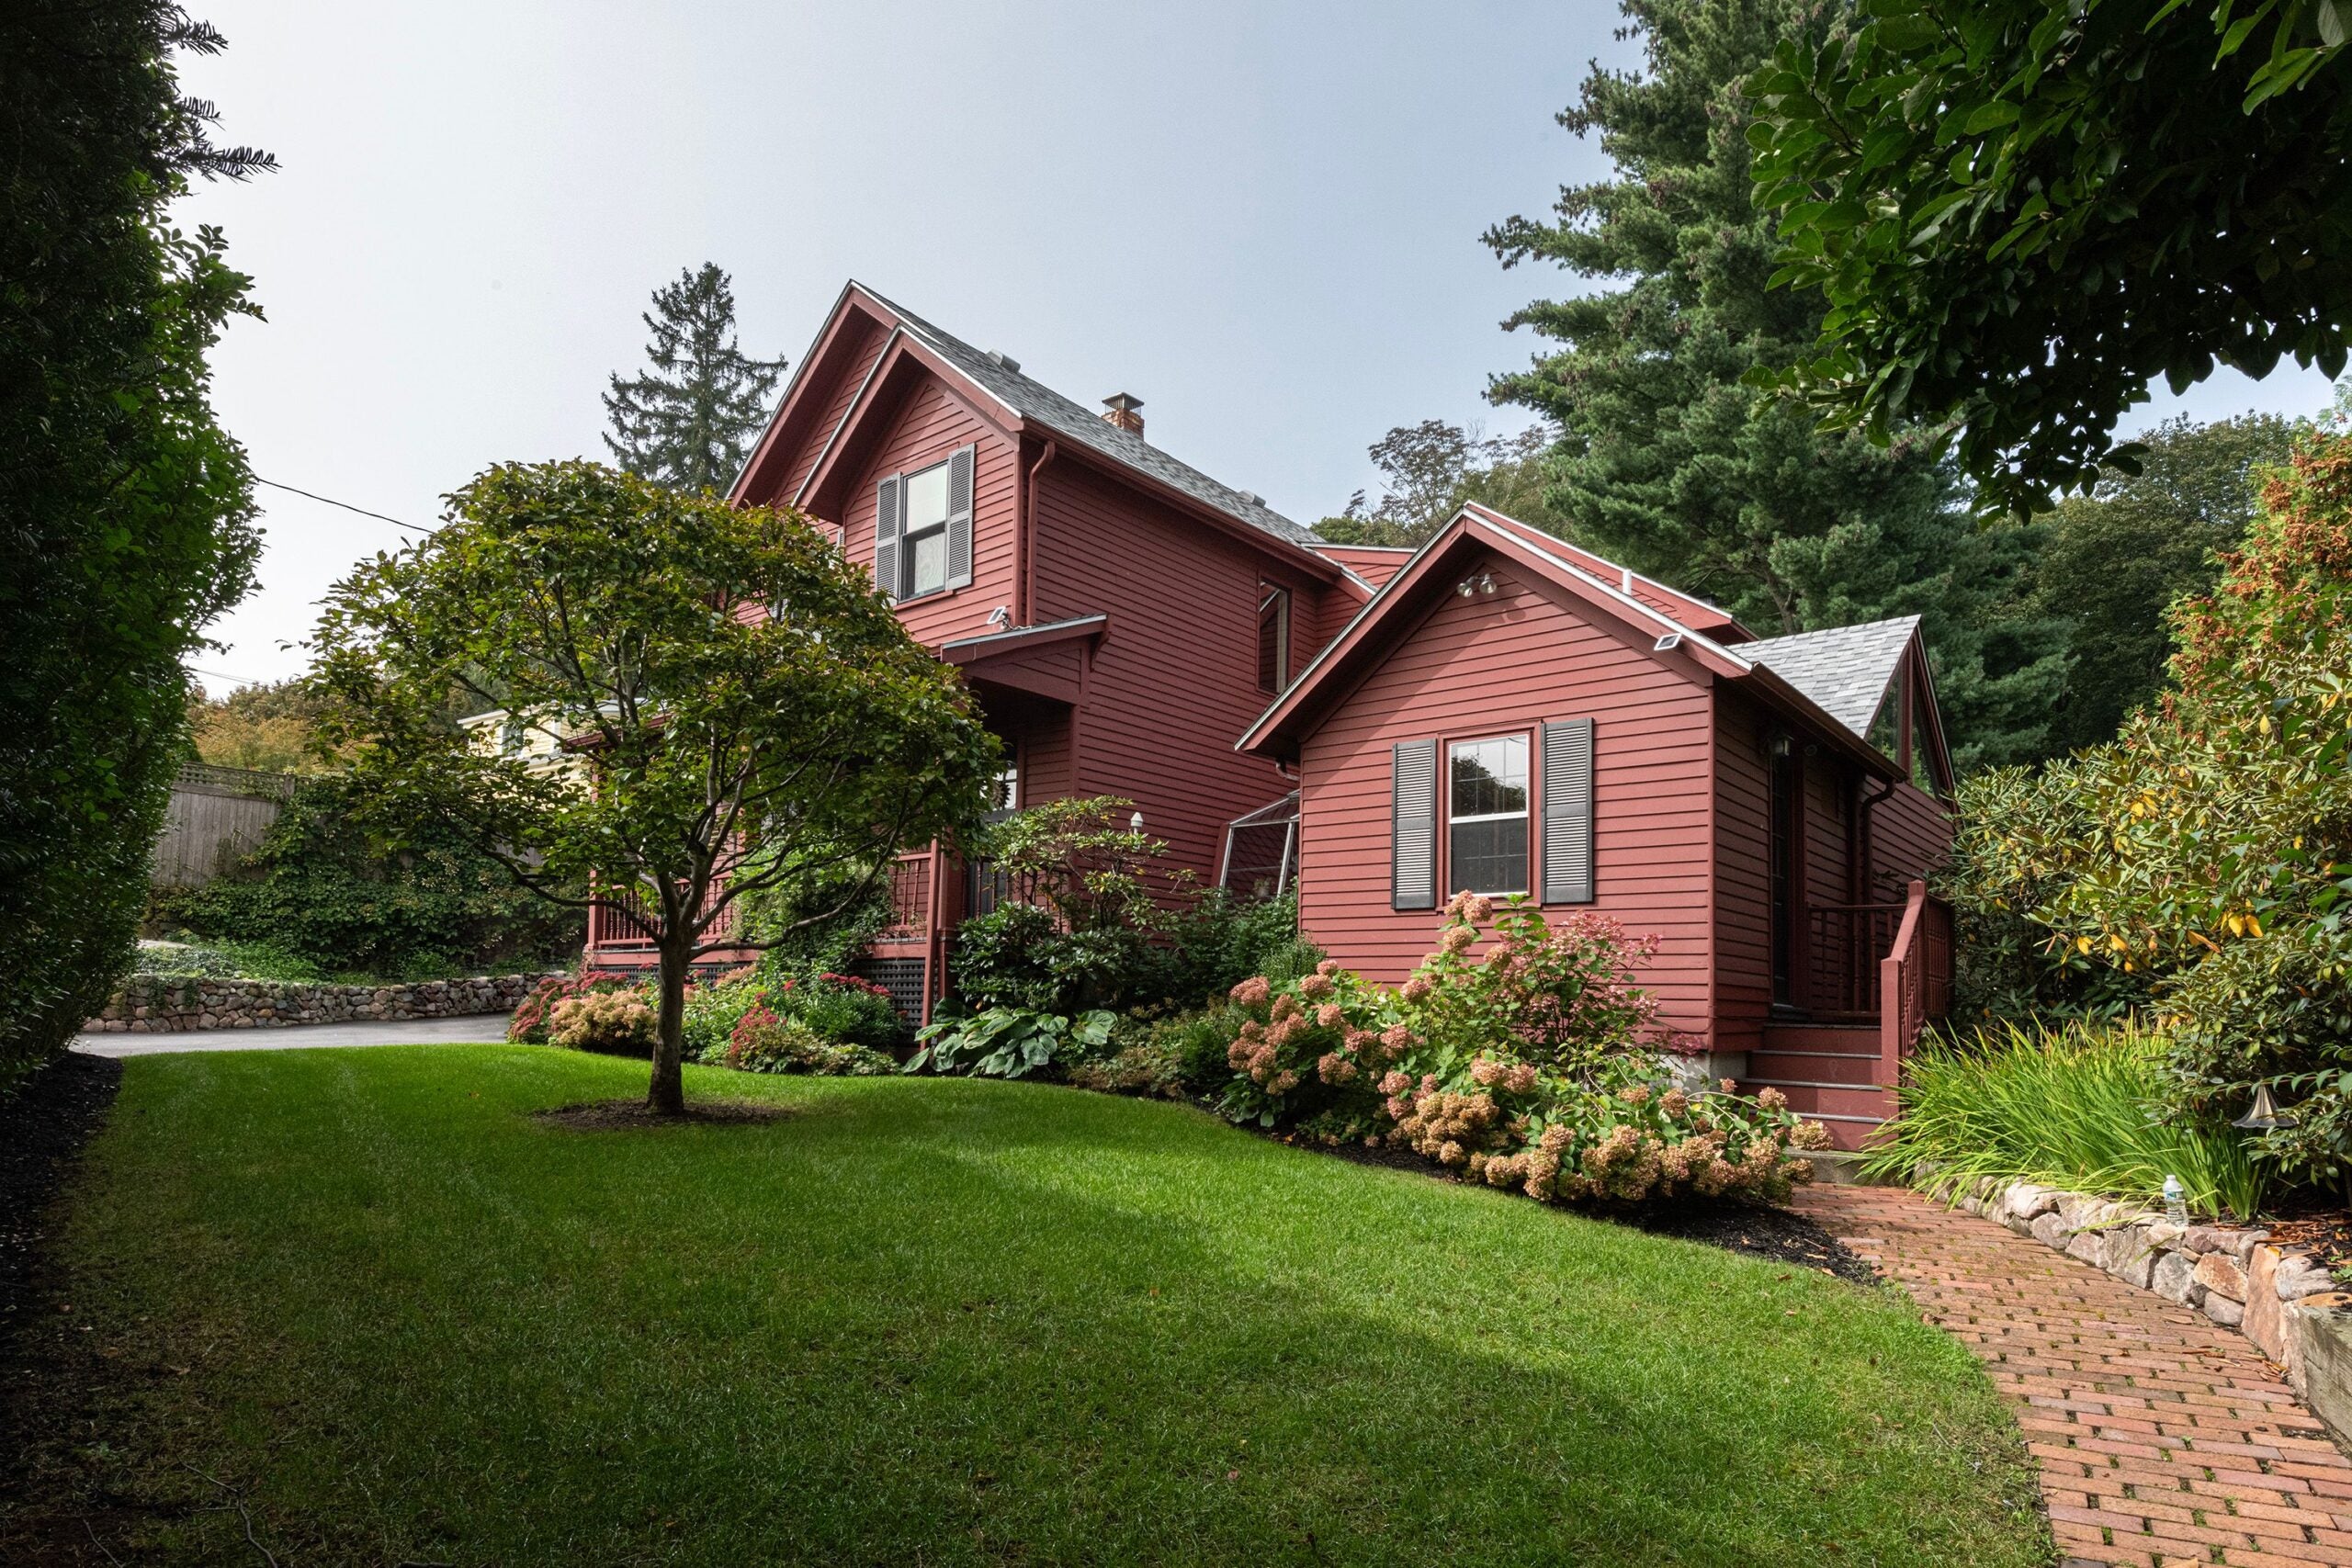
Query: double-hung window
[1487,815]
[922,553]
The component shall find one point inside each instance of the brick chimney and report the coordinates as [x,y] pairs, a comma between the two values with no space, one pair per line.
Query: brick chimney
[1125,411]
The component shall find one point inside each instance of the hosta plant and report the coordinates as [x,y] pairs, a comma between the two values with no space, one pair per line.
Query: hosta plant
[1009,1042]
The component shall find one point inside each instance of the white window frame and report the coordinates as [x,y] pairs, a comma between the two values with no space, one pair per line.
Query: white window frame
[1525,814]
[909,533]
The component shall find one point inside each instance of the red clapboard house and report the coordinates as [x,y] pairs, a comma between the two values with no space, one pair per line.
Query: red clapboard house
[1120,616]
[1514,715]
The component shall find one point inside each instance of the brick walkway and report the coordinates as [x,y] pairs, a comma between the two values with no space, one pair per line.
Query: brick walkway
[2163,1439]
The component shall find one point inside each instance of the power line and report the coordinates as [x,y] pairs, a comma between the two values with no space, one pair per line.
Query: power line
[344,505]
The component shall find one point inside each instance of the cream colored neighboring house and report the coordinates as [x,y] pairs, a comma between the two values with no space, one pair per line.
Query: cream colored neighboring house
[495,734]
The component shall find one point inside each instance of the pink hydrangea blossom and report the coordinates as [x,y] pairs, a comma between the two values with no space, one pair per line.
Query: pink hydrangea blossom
[1252,992]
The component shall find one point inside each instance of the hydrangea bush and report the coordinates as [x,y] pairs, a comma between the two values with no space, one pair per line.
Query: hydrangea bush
[602,1021]
[1532,1064]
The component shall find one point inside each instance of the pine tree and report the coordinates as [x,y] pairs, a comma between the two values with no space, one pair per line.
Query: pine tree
[1668,463]
[689,422]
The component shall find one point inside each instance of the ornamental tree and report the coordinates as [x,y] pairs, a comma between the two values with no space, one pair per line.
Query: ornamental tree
[745,711]
[2023,211]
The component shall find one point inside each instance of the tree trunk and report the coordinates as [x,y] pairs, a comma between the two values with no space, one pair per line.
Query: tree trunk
[667,1093]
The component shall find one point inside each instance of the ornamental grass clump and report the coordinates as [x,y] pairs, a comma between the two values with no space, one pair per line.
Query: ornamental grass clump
[2081,1106]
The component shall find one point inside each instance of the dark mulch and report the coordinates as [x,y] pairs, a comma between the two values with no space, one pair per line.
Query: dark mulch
[2328,1234]
[43,1129]
[614,1115]
[1752,1230]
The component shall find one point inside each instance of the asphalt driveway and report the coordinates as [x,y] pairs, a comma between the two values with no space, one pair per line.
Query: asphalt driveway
[481,1029]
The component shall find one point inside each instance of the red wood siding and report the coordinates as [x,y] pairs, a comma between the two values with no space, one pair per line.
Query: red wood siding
[1910,836]
[1175,682]
[843,392]
[925,427]
[1374,566]
[1743,792]
[1499,665]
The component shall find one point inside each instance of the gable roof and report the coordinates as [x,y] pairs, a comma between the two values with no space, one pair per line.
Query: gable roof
[1030,404]
[1845,669]
[1617,596]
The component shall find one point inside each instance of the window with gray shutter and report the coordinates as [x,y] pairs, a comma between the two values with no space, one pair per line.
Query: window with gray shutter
[959,516]
[1567,812]
[1412,864]
[887,514]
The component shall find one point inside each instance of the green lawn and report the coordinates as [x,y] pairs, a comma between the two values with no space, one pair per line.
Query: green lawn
[936,1322]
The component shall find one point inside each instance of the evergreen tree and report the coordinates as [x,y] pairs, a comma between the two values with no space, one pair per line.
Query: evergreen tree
[1669,462]
[689,422]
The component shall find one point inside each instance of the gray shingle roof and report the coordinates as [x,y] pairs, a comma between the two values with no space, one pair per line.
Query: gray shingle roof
[1035,401]
[1845,669]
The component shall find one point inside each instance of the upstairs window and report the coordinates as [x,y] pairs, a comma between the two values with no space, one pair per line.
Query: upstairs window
[924,552]
[1274,637]
[922,528]
[1487,815]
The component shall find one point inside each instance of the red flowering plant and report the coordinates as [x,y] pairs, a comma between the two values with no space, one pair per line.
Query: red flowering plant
[1310,1049]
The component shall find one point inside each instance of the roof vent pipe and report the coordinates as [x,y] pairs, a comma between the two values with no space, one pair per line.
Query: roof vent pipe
[1124,411]
[1625,580]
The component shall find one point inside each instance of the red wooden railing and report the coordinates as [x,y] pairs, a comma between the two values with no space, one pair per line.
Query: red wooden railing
[1914,980]
[1848,940]
[618,919]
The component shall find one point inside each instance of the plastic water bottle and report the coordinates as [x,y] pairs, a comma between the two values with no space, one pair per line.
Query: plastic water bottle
[2175,1201]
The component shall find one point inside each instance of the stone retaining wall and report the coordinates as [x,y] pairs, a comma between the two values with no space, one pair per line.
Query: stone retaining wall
[2279,1297]
[151,1004]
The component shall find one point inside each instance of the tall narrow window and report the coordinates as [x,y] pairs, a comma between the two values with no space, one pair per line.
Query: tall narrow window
[923,549]
[1487,815]
[1274,637]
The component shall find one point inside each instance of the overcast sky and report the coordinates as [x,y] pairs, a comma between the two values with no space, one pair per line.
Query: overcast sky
[1263,219]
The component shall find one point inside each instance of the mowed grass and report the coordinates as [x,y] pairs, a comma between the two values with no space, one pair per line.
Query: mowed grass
[942,1321]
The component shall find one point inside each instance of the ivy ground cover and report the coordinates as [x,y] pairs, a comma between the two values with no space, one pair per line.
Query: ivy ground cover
[371,1298]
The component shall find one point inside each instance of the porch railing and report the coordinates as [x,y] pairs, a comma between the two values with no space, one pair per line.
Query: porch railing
[619,918]
[1915,979]
[1848,940]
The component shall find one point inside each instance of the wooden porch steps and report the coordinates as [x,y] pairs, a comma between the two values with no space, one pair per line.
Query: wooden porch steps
[1830,1072]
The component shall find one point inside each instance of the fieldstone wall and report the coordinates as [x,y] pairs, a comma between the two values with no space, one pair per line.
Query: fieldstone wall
[2279,1297]
[151,1004]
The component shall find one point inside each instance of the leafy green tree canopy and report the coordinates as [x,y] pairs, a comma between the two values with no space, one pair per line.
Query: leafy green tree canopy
[2023,211]
[1669,461]
[1427,472]
[2113,560]
[751,711]
[125,509]
[690,421]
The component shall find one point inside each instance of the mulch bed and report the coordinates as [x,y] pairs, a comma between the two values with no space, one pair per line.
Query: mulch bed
[614,1115]
[43,1129]
[1752,1230]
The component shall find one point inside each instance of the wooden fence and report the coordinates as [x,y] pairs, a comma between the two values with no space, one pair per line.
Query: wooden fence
[216,817]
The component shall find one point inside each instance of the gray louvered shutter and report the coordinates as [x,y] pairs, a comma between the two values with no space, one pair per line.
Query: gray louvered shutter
[1567,812]
[959,516]
[1412,855]
[889,515]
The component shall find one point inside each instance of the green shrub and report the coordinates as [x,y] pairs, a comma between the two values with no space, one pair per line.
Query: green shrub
[713,1008]
[1217,940]
[1150,1065]
[841,1007]
[2080,1107]
[1001,959]
[227,961]
[2207,853]
[321,890]
[765,1041]
[603,1020]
